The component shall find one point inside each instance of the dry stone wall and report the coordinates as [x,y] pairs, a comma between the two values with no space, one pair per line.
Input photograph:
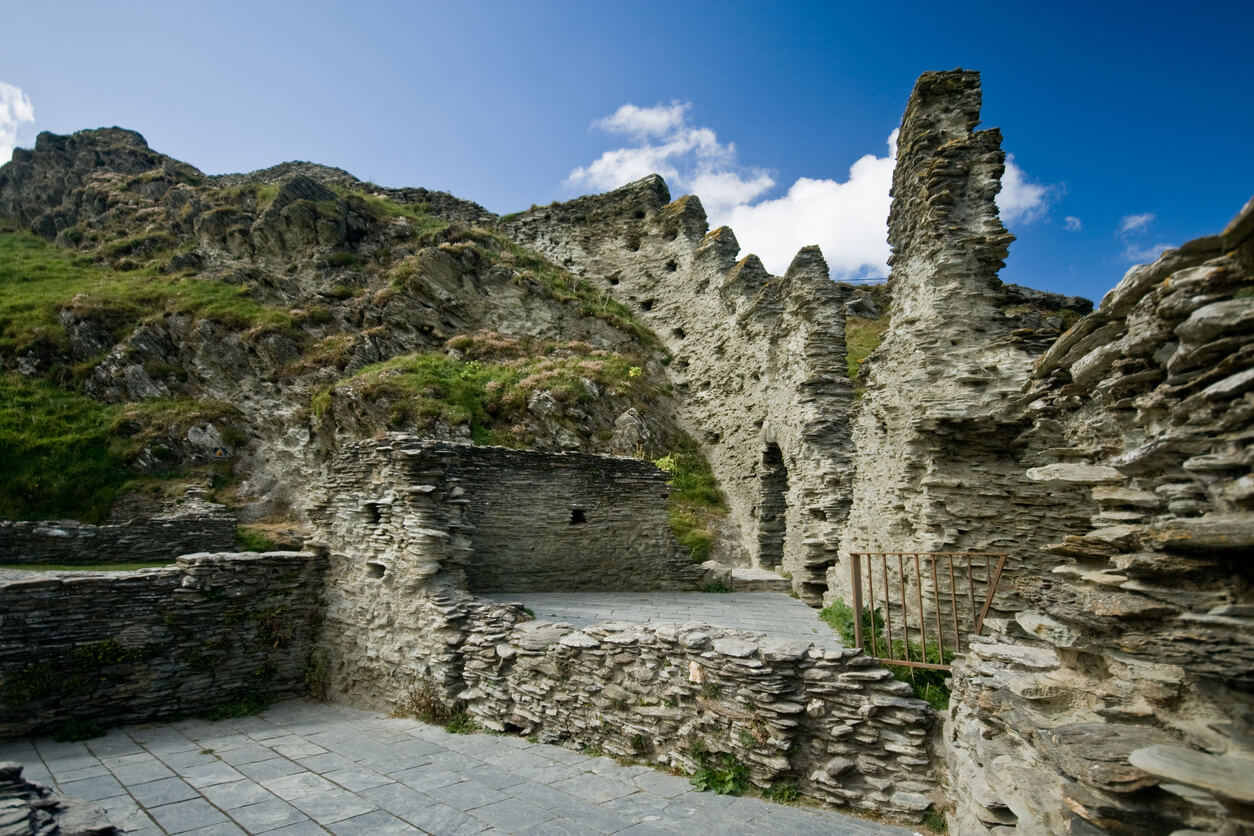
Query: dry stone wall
[414,525]
[832,724]
[400,626]
[1121,698]
[125,647]
[193,525]
[758,361]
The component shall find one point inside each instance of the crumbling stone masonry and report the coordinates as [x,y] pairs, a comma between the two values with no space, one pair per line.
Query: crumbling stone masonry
[832,724]
[1112,691]
[758,362]
[400,619]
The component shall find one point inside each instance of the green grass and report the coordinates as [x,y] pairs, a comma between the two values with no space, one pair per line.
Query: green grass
[696,502]
[928,684]
[59,455]
[488,386]
[38,280]
[862,336]
[67,456]
[252,540]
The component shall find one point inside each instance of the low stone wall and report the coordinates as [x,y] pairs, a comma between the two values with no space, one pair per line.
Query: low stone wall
[192,526]
[834,725]
[125,647]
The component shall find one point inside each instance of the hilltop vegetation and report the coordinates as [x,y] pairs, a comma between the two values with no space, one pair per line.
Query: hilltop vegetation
[152,317]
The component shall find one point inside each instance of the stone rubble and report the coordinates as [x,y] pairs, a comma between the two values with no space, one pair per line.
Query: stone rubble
[31,809]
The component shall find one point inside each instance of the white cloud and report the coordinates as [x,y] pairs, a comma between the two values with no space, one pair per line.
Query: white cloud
[1142,254]
[1135,223]
[1072,223]
[847,219]
[16,110]
[644,122]
[1020,200]
[1132,226]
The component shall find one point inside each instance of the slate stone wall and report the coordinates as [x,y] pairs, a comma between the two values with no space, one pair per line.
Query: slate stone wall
[125,647]
[194,526]
[834,725]
[567,522]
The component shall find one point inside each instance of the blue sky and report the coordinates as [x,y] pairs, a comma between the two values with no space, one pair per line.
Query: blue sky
[1131,120]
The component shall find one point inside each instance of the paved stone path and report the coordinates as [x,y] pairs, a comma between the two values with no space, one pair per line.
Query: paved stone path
[303,767]
[773,613]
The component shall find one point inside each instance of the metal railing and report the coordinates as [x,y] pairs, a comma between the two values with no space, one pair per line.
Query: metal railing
[921,575]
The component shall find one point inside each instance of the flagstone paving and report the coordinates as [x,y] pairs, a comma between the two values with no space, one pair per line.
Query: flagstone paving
[309,768]
[774,613]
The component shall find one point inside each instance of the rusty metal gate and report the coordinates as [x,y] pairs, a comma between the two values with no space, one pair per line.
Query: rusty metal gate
[943,586]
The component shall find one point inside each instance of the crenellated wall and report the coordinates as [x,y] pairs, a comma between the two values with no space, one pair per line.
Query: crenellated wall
[758,361]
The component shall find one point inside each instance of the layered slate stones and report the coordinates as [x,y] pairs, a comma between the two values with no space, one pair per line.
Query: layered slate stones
[758,362]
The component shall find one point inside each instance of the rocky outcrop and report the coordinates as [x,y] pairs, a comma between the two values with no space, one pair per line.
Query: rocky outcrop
[758,361]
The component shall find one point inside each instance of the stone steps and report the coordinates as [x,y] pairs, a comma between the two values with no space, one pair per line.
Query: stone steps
[758,580]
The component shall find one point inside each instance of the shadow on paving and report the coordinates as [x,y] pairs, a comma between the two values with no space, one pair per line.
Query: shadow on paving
[303,767]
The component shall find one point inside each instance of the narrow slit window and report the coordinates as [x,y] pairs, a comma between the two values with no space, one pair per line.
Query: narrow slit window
[578,516]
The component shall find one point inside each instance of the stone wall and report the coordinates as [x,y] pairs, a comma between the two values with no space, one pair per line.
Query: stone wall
[194,525]
[942,433]
[1123,692]
[758,361]
[1113,684]
[567,522]
[125,647]
[414,525]
[401,626]
[832,724]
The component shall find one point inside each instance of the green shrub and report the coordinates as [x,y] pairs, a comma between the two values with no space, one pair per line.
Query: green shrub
[725,776]
[928,684]
[252,540]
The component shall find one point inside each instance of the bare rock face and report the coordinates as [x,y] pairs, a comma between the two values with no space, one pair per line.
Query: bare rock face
[758,361]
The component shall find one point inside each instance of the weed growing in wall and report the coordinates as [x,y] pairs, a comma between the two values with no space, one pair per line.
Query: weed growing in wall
[724,775]
[695,503]
[244,706]
[929,685]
